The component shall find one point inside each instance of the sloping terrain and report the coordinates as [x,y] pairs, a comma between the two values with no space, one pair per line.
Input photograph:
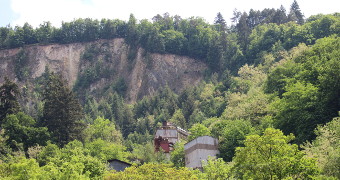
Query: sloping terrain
[96,65]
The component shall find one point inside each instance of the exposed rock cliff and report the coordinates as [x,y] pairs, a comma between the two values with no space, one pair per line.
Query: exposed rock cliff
[103,62]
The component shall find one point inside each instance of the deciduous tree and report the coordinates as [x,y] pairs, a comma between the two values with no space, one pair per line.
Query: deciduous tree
[198,130]
[21,128]
[326,148]
[270,156]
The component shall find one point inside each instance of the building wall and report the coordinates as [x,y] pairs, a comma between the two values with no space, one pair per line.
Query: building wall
[170,134]
[200,149]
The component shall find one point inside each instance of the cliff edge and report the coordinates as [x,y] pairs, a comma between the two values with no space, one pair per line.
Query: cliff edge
[94,66]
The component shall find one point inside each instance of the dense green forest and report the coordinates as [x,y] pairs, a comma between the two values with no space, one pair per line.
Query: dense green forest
[271,96]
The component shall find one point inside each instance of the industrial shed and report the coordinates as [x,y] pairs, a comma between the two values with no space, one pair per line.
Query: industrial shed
[167,135]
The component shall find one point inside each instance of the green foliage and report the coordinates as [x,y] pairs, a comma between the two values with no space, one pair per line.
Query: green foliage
[154,171]
[21,65]
[120,87]
[295,107]
[270,156]
[29,34]
[251,106]
[90,53]
[15,37]
[146,125]
[91,74]
[247,100]
[122,114]
[145,153]
[71,162]
[243,30]
[295,13]
[212,104]
[162,105]
[105,150]
[231,134]
[132,34]
[62,112]
[263,38]
[135,138]
[103,129]
[198,130]
[22,169]
[324,26]
[197,116]
[326,148]
[44,33]
[9,93]
[216,169]
[95,109]
[177,156]
[307,87]
[80,30]
[178,119]
[118,108]
[132,54]
[186,101]
[48,153]
[5,150]
[20,128]
[273,37]
[174,41]
[234,55]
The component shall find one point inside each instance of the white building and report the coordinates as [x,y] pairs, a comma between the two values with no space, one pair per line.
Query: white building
[199,149]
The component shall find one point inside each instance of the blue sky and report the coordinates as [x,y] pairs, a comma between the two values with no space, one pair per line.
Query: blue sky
[17,12]
[6,13]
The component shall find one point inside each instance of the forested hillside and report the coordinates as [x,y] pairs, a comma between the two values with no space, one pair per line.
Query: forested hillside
[271,95]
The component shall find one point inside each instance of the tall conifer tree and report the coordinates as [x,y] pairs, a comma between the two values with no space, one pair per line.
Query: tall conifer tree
[295,13]
[62,112]
[9,104]
[220,22]
[280,16]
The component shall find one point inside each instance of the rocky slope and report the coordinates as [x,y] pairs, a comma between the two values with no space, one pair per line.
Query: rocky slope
[103,62]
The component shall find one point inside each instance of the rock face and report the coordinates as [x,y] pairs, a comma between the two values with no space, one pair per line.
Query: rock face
[142,72]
